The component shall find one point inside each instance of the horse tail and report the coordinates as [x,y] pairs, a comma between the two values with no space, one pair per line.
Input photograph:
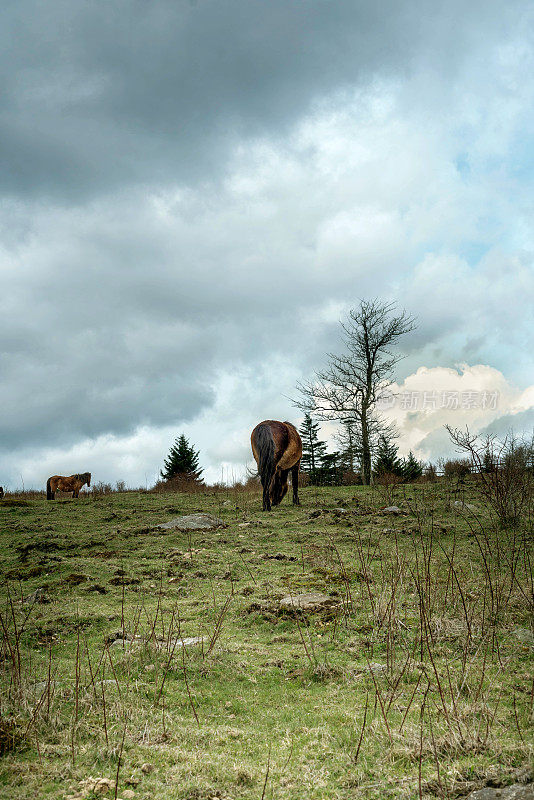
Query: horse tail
[49,492]
[265,447]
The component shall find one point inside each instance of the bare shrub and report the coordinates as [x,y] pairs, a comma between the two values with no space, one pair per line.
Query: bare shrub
[100,488]
[351,478]
[304,479]
[386,483]
[430,474]
[183,482]
[457,468]
[25,494]
[508,486]
[252,483]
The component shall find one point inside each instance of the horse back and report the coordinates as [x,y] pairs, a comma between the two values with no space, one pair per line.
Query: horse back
[287,442]
[293,448]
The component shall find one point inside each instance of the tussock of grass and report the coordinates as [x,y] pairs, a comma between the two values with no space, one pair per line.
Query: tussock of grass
[413,684]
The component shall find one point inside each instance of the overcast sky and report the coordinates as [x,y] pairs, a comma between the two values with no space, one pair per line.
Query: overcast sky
[193,194]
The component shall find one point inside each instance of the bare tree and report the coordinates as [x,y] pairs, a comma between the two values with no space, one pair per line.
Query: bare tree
[349,388]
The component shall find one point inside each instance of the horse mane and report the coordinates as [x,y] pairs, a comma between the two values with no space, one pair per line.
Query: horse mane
[82,476]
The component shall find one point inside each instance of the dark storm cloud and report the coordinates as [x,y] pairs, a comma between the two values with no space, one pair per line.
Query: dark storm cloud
[110,323]
[98,95]
[192,194]
[520,425]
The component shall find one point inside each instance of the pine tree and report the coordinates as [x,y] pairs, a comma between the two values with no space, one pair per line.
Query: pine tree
[182,460]
[347,437]
[330,472]
[387,459]
[350,454]
[313,450]
[411,468]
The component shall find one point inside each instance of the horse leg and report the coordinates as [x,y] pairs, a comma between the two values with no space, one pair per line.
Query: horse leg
[295,483]
[279,486]
[266,498]
[266,480]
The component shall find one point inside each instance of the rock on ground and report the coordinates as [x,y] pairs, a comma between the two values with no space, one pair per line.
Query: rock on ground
[392,510]
[524,635]
[308,601]
[129,643]
[95,786]
[39,596]
[375,666]
[464,506]
[194,522]
[516,792]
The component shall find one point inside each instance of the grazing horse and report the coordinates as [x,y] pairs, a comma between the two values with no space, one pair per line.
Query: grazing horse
[63,484]
[277,449]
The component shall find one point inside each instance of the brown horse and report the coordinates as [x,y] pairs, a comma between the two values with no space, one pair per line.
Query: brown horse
[63,484]
[277,449]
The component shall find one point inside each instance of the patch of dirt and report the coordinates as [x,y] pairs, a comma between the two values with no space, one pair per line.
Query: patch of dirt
[45,546]
[279,557]
[75,578]
[297,604]
[12,736]
[24,573]
[124,580]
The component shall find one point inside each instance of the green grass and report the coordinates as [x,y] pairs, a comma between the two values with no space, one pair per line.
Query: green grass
[416,667]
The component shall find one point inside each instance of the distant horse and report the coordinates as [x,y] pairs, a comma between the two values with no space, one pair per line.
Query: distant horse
[63,484]
[277,449]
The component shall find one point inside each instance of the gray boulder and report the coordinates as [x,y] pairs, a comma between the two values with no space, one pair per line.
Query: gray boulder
[308,601]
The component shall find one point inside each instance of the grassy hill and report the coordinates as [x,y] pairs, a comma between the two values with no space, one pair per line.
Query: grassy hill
[414,680]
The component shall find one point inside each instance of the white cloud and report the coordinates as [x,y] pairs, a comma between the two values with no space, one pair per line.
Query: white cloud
[430,398]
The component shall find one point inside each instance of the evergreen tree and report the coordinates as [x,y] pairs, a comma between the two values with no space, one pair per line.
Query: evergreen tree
[350,454]
[330,472]
[313,450]
[387,459]
[182,460]
[411,468]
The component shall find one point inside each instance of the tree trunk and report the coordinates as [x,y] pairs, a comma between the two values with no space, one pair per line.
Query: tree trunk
[366,450]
